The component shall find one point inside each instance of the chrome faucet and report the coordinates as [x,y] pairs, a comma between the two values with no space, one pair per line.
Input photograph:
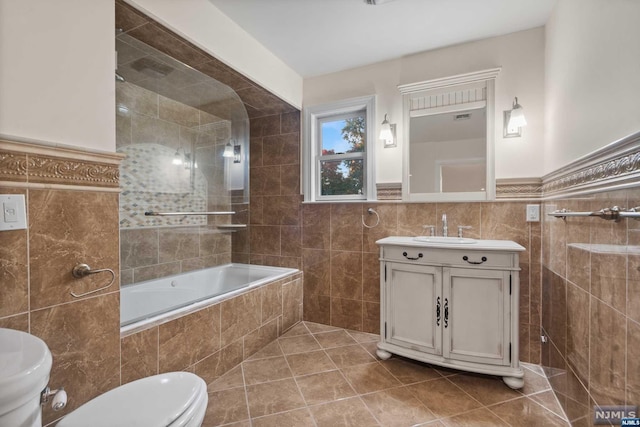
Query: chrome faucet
[445,230]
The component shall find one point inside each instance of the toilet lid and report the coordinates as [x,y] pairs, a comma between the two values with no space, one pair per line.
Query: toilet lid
[149,402]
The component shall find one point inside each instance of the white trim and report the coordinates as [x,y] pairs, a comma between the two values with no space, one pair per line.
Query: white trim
[458,79]
[408,90]
[311,116]
[448,109]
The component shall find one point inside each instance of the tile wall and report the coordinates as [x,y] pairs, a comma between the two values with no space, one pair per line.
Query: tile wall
[328,241]
[212,340]
[73,223]
[72,219]
[591,314]
[590,295]
[149,125]
[274,213]
[341,266]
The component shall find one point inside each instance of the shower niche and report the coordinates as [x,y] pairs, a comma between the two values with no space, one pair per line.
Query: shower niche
[186,140]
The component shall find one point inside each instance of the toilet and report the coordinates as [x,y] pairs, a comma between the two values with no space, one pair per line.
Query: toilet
[175,399]
[25,364]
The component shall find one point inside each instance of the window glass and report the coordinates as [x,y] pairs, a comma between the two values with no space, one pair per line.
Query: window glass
[344,135]
[341,177]
[338,152]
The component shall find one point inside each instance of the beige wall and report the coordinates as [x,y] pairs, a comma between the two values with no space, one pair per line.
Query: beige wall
[56,79]
[521,56]
[589,277]
[592,77]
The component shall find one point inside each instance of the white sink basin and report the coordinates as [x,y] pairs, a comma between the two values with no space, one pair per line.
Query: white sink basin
[445,240]
[25,364]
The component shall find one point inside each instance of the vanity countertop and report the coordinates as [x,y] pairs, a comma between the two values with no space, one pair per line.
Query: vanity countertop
[478,244]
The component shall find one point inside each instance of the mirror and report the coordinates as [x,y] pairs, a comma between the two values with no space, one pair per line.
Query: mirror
[449,138]
[447,152]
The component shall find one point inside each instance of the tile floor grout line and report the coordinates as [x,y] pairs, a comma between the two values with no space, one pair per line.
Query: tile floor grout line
[306,405]
[543,411]
[246,394]
[564,418]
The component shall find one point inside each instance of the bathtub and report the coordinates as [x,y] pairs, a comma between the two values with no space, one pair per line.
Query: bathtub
[159,300]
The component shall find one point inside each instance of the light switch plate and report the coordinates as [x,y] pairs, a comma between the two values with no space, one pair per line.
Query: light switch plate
[533,213]
[14,214]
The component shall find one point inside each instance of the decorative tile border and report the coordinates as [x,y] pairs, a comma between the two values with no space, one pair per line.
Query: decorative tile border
[13,166]
[41,163]
[389,191]
[518,189]
[613,167]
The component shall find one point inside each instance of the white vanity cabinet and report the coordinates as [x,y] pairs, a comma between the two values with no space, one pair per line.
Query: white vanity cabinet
[453,305]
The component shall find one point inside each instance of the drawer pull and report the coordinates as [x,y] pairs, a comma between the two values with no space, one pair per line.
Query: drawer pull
[412,259]
[446,312]
[438,312]
[466,258]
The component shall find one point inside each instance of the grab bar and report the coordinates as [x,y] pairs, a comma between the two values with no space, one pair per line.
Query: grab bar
[611,214]
[152,213]
[82,270]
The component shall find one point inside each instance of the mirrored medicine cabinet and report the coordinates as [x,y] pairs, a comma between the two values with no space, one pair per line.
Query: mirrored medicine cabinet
[449,130]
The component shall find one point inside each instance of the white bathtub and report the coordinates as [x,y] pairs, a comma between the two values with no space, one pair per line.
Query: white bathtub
[156,300]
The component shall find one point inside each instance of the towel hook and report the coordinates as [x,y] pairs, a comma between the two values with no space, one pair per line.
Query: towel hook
[371,211]
[82,270]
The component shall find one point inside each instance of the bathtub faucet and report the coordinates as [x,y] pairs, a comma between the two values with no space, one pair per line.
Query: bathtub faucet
[445,230]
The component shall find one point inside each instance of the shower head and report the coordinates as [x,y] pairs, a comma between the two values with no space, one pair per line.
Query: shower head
[119,78]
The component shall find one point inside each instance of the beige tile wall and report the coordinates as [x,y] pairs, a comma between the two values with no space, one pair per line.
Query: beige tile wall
[151,252]
[341,266]
[214,339]
[69,225]
[65,227]
[590,313]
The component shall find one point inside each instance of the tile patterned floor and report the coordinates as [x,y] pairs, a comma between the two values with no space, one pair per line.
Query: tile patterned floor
[317,375]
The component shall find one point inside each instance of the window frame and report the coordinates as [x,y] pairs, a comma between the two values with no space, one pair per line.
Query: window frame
[314,116]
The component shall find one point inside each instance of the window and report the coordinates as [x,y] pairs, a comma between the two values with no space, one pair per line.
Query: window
[338,153]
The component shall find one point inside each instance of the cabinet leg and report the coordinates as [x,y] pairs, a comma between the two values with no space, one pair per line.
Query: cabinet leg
[513,382]
[383,354]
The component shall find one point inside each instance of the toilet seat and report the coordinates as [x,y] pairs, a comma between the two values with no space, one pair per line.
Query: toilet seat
[175,399]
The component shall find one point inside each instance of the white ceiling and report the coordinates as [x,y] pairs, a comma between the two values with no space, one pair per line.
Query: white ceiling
[322,36]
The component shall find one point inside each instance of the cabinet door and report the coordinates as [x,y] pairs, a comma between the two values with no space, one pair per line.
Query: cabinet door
[412,294]
[477,312]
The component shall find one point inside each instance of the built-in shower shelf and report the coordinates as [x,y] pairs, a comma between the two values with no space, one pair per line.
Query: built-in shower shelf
[152,213]
[607,249]
[231,226]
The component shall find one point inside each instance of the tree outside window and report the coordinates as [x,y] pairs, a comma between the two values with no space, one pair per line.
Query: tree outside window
[343,141]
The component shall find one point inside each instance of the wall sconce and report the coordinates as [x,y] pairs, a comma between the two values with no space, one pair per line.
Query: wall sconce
[388,133]
[236,153]
[514,121]
[228,149]
[190,162]
[178,158]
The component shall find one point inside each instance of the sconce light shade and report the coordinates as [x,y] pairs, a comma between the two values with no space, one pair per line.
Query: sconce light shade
[517,116]
[177,158]
[387,133]
[514,121]
[228,150]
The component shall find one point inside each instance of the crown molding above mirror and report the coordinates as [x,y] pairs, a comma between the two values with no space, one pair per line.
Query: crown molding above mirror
[441,152]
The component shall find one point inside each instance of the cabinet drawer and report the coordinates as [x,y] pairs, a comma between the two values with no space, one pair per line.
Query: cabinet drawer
[456,257]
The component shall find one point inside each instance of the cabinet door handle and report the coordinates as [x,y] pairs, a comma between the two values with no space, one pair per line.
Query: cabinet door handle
[412,259]
[466,258]
[446,312]
[438,312]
